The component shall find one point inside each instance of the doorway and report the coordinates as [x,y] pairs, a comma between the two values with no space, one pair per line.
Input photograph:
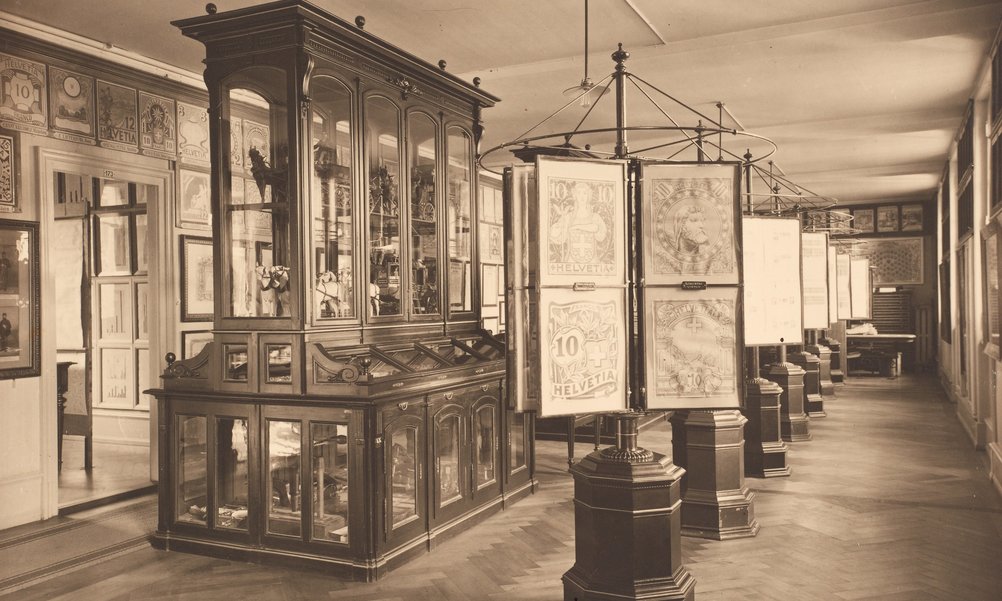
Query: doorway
[99,261]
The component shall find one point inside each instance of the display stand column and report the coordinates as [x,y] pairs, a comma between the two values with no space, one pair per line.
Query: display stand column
[835,348]
[627,523]
[715,501]
[795,426]
[814,404]
[824,355]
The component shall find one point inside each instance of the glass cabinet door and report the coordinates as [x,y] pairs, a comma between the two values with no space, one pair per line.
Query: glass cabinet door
[484,445]
[517,433]
[448,467]
[333,220]
[284,492]
[192,489]
[231,473]
[459,203]
[424,224]
[382,126]
[329,461]
[256,217]
[404,492]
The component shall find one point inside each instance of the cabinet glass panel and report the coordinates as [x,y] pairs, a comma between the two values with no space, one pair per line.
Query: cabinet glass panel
[284,481]
[483,429]
[112,193]
[113,239]
[447,437]
[460,208]
[424,239]
[329,447]
[517,440]
[279,366]
[403,477]
[142,259]
[191,474]
[231,473]
[334,278]
[257,241]
[381,131]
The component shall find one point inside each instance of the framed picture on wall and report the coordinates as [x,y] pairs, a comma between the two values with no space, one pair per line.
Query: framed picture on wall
[9,171]
[196,279]
[489,281]
[20,326]
[862,220]
[887,219]
[193,197]
[911,218]
[193,342]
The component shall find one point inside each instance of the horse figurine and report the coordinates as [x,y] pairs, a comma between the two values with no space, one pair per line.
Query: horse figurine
[276,280]
[329,295]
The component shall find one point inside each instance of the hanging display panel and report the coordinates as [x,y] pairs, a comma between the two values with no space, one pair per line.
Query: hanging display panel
[690,229]
[772,291]
[521,210]
[844,289]
[861,288]
[582,351]
[692,349]
[581,222]
[832,285]
[814,271]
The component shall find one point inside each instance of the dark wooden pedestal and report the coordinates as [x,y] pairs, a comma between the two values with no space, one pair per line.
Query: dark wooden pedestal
[824,354]
[715,501]
[814,404]
[765,451]
[835,347]
[627,518]
[794,424]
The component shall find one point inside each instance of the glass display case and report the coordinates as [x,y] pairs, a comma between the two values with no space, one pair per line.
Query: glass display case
[349,411]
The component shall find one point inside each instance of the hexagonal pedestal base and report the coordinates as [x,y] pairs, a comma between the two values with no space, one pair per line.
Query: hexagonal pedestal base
[795,426]
[765,451]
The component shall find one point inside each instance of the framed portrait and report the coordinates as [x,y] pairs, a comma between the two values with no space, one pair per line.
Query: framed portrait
[10,171]
[193,198]
[196,279]
[911,218]
[581,222]
[862,219]
[691,224]
[193,341]
[20,322]
[692,347]
[489,285]
[887,219]
[896,261]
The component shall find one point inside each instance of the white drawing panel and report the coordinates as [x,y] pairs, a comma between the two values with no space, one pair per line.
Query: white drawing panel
[861,288]
[814,271]
[844,289]
[832,285]
[772,291]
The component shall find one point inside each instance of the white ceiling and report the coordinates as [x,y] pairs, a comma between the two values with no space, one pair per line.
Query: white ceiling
[862,97]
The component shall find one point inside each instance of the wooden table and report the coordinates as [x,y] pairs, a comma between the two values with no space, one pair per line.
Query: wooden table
[874,347]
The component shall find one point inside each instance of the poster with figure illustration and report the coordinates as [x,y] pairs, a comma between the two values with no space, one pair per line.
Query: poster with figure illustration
[582,351]
[690,223]
[692,348]
[582,217]
[117,117]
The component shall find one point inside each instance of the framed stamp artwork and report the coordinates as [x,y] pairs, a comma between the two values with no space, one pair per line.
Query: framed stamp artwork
[117,117]
[72,106]
[691,224]
[887,219]
[911,218]
[862,220]
[196,279]
[23,90]
[692,348]
[9,171]
[581,222]
[20,322]
[193,134]
[896,261]
[193,200]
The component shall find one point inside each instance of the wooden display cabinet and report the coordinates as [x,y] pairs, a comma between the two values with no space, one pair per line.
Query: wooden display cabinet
[349,412]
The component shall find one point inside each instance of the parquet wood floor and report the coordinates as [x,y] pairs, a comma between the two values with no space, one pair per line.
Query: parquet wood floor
[889,501]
